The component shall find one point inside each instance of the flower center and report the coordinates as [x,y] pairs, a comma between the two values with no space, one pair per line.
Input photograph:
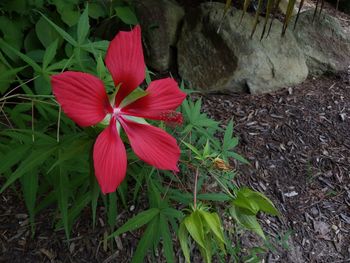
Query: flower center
[116,111]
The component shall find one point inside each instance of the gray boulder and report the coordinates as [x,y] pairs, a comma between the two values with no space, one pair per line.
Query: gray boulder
[323,41]
[229,59]
[160,20]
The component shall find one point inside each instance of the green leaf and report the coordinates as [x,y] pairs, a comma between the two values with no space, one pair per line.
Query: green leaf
[193,149]
[213,223]
[262,201]
[238,157]
[167,240]
[135,95]
[7,76]
[62,194]
[42,84]
[50,54]
[136,222]
[194,226]
[248,221]
[45,32]
[12,34]
[148,239]
[77,207]
[95,193]
[30,187]
[25,58]
[71,148]
[13,155]
[229,141]
[60,65]
[112,209]
[31,41]
[68,11]
[171,212]
[46,201]
[96,46]
[183,239]
[83,26]
[61,32]
[36,158]
[246,203]
[127,15]
[96,10]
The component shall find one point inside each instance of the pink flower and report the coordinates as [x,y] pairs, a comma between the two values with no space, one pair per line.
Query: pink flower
[83,98]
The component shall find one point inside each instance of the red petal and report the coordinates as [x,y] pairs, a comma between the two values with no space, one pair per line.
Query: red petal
[109,159]
[152,145]
[125,62]
[164,96]
[82,97]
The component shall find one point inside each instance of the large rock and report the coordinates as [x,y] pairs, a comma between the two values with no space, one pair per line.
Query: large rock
[230,59]
[325,44]
[160,20]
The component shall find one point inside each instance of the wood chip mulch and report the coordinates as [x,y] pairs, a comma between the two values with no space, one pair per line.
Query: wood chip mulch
[298,143]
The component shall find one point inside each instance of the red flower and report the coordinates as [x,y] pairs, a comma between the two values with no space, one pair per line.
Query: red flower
[83,98]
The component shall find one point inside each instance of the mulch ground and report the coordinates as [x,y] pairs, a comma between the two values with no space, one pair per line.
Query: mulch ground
[298,143]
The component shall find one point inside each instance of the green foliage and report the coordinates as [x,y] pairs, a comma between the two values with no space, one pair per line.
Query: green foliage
[203,227]
[49,158]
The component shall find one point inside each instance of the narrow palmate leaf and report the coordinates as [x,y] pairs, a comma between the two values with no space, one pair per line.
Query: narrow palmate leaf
[136,222]
[30,187]
[60,31]
[95,193]
[167,240]
[50,54]
[83,26]
[25,58]
[7,77]
[76,209]
[45,33]
[183,239]
[112,209]
[36,158]
[62,194]
[12,156]
[147,241]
